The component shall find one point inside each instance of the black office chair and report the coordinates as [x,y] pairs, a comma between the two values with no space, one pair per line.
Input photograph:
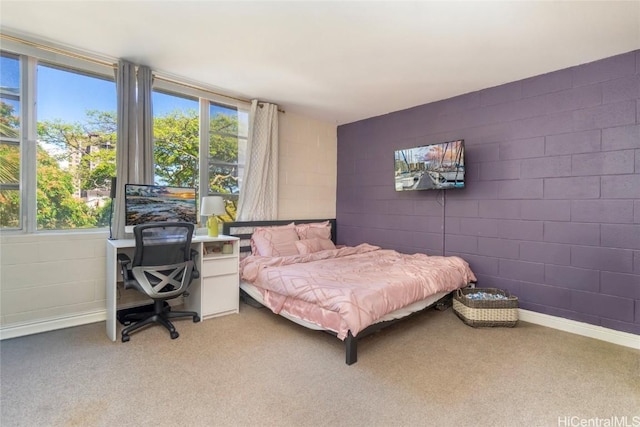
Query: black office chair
[163,269]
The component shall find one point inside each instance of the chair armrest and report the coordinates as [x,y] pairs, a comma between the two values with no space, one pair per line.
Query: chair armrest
[125,263]
[194,273]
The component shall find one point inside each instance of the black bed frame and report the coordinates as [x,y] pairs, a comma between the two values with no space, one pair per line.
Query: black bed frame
[244,229]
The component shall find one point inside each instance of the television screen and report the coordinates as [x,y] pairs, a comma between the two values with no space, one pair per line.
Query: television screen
[430,167]
[159,203]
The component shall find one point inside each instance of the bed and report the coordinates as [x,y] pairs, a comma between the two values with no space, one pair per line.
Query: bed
[295,268]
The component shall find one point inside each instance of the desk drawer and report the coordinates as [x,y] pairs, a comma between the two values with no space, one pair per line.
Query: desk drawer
[218,267]
[220,295]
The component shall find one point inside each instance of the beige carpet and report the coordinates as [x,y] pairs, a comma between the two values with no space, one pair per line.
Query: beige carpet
[256,369]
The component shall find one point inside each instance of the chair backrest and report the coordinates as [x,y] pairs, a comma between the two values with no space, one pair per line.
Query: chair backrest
[162,243]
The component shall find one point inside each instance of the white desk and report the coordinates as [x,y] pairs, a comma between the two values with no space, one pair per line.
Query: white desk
[215,293]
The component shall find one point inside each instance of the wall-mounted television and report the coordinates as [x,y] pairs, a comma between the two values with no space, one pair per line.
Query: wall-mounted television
[430,167]
[159,203]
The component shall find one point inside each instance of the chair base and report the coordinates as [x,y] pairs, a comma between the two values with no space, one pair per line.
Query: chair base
[160,314]
[127,316]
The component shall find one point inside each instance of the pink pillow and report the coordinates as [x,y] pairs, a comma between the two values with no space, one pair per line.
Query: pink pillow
[309,246]
[274,241]
[321,230]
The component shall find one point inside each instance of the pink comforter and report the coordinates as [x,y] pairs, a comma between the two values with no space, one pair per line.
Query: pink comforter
[361,284]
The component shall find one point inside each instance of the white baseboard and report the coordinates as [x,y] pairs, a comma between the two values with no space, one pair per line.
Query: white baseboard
[579,328]
[18,330]
[52,324]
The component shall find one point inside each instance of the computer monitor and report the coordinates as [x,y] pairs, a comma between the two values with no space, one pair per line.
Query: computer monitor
[158,203]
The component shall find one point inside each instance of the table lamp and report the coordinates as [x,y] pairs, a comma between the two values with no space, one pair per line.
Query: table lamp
[210,207]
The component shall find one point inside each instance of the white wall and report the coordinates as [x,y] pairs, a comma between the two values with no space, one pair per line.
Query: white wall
[308,168]
[54,280]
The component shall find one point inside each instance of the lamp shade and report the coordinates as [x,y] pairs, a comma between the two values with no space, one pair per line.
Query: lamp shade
[212,205]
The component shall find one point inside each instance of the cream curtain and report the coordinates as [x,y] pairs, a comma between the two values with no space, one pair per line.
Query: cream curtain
[259,193]
[134,157]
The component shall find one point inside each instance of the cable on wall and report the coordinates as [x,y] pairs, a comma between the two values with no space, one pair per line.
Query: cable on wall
[444,221]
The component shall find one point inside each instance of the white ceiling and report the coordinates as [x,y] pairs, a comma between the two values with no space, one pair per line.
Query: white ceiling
[338,61]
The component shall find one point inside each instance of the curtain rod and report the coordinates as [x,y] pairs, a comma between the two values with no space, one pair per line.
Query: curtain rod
[58,51]
[203,89]
[260,104]
[192,86]
[75,55]
[200,88]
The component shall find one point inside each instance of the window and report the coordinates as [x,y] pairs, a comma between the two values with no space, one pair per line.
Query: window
[76,155]
[199,138]
[57,147]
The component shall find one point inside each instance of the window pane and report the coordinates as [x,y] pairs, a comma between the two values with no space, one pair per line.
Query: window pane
[227,133]
[76,148]
[10,96]
[10,208]
[10,119]
[10,187]
[176,140]
[9,141]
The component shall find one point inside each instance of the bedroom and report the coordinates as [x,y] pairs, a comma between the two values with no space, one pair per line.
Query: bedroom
[494,224]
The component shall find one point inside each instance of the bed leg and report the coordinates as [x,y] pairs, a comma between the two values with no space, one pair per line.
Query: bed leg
[351,347]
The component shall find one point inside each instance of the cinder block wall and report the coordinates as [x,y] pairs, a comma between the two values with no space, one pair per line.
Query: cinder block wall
[52,277]
[307,179]
[551,210]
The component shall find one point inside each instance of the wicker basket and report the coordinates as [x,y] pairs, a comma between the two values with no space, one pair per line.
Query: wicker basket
[478,312]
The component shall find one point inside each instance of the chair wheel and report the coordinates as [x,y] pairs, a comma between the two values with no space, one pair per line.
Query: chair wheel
[174,335]
[125,338]
[196,319]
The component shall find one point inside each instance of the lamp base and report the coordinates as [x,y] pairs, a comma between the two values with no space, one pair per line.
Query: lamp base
[212,226]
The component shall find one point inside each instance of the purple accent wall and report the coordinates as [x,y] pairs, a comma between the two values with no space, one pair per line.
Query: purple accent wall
[551,209]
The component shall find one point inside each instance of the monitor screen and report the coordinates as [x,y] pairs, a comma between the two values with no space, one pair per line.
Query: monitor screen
[430,167]
[159,203]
